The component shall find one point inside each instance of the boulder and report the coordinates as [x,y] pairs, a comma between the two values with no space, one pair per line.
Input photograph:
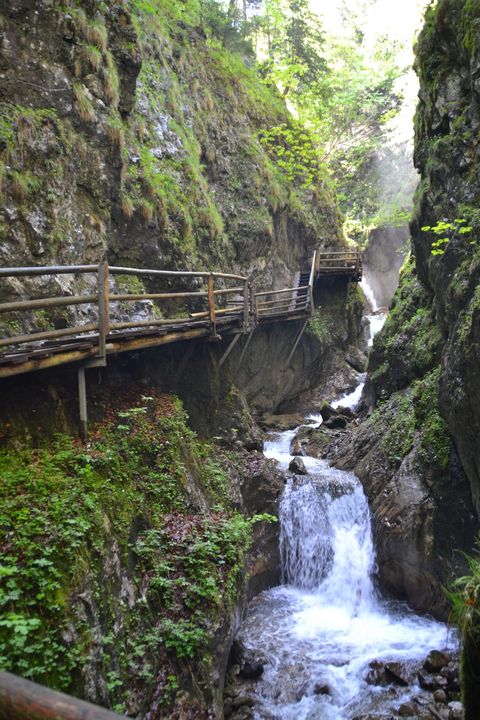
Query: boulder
[250,667]
[282,422]
[431,682]
[440,696]
[356,359]
[296,447]
[376,675]
[436,660]
[397,672]
[408,709]
[320,689]
[297,466]
[338,422]
[455,710]
[327,411]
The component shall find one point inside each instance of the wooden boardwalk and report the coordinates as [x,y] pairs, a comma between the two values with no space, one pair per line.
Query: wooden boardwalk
[215,305]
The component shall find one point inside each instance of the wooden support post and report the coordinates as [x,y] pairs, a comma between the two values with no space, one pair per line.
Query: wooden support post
[252,301]
[244,349]
[82,400]
[211,307]
[297,340]
[103,308]
[246,306]
[229,349]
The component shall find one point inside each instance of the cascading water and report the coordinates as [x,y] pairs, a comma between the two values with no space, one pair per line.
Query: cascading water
[318,632]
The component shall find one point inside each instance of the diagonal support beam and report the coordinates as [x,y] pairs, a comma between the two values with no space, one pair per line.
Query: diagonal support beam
[297,340]
[229,349]
[245,348]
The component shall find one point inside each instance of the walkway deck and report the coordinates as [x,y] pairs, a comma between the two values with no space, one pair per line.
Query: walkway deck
[218,305]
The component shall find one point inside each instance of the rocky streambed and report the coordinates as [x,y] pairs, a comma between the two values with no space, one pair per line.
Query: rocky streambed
[325,645]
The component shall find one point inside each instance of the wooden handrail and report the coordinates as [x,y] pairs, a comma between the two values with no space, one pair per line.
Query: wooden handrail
[246,305]
[25,700]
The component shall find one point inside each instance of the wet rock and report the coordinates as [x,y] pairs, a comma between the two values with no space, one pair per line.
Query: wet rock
[455,710]
[356,359]
[376,674]
[296,447]
[336,422]
[242,701]
[297,466]
[408,709]
[397,672]
[436,660]
[431,682]
[282,422]
[320,689]
[327,411]
[317,441]
[250,667]
[440,696]
[245,713]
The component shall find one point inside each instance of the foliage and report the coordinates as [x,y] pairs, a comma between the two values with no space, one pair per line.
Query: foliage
[66,511]
[465,601]
[444,231]
[293,150]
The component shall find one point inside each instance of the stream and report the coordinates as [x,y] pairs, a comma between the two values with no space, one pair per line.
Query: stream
[318,632]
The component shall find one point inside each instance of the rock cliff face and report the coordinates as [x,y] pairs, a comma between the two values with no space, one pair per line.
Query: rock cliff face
[418,452]
[126,131]
[384,256]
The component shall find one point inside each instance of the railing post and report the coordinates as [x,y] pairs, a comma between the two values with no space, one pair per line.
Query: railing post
[253,306]
[211,307]
[103,308]
[82,401]
[246,306]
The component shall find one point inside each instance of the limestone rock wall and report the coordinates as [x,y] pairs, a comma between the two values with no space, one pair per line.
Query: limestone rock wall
[127,132]
[418,451]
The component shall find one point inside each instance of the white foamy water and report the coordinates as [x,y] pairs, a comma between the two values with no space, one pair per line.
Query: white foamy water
[319,631]
[351,399]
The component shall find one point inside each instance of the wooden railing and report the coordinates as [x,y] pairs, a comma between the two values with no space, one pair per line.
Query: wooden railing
[209,302]
[103,300]
[339,263]
[24,700]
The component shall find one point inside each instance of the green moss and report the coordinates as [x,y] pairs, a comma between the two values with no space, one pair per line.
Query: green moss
[435,441]
[65,509]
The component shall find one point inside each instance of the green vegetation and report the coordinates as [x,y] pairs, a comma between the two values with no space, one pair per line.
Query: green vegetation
[465,600]
[444,231]
[114,540]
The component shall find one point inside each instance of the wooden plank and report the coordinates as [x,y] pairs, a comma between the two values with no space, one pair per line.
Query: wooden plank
[48,270]
[44,363]
[230,310]
[24,700]
[280,292]
[48,334]
[173,273]
[24,305]
[158,296]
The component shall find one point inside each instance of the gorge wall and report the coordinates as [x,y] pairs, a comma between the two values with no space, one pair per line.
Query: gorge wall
[128,131]
[417,453]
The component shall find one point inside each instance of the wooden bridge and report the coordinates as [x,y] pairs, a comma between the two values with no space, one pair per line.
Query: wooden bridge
[216,305]
[231,307]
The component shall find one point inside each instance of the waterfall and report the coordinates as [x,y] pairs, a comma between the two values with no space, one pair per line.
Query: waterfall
[320,629]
